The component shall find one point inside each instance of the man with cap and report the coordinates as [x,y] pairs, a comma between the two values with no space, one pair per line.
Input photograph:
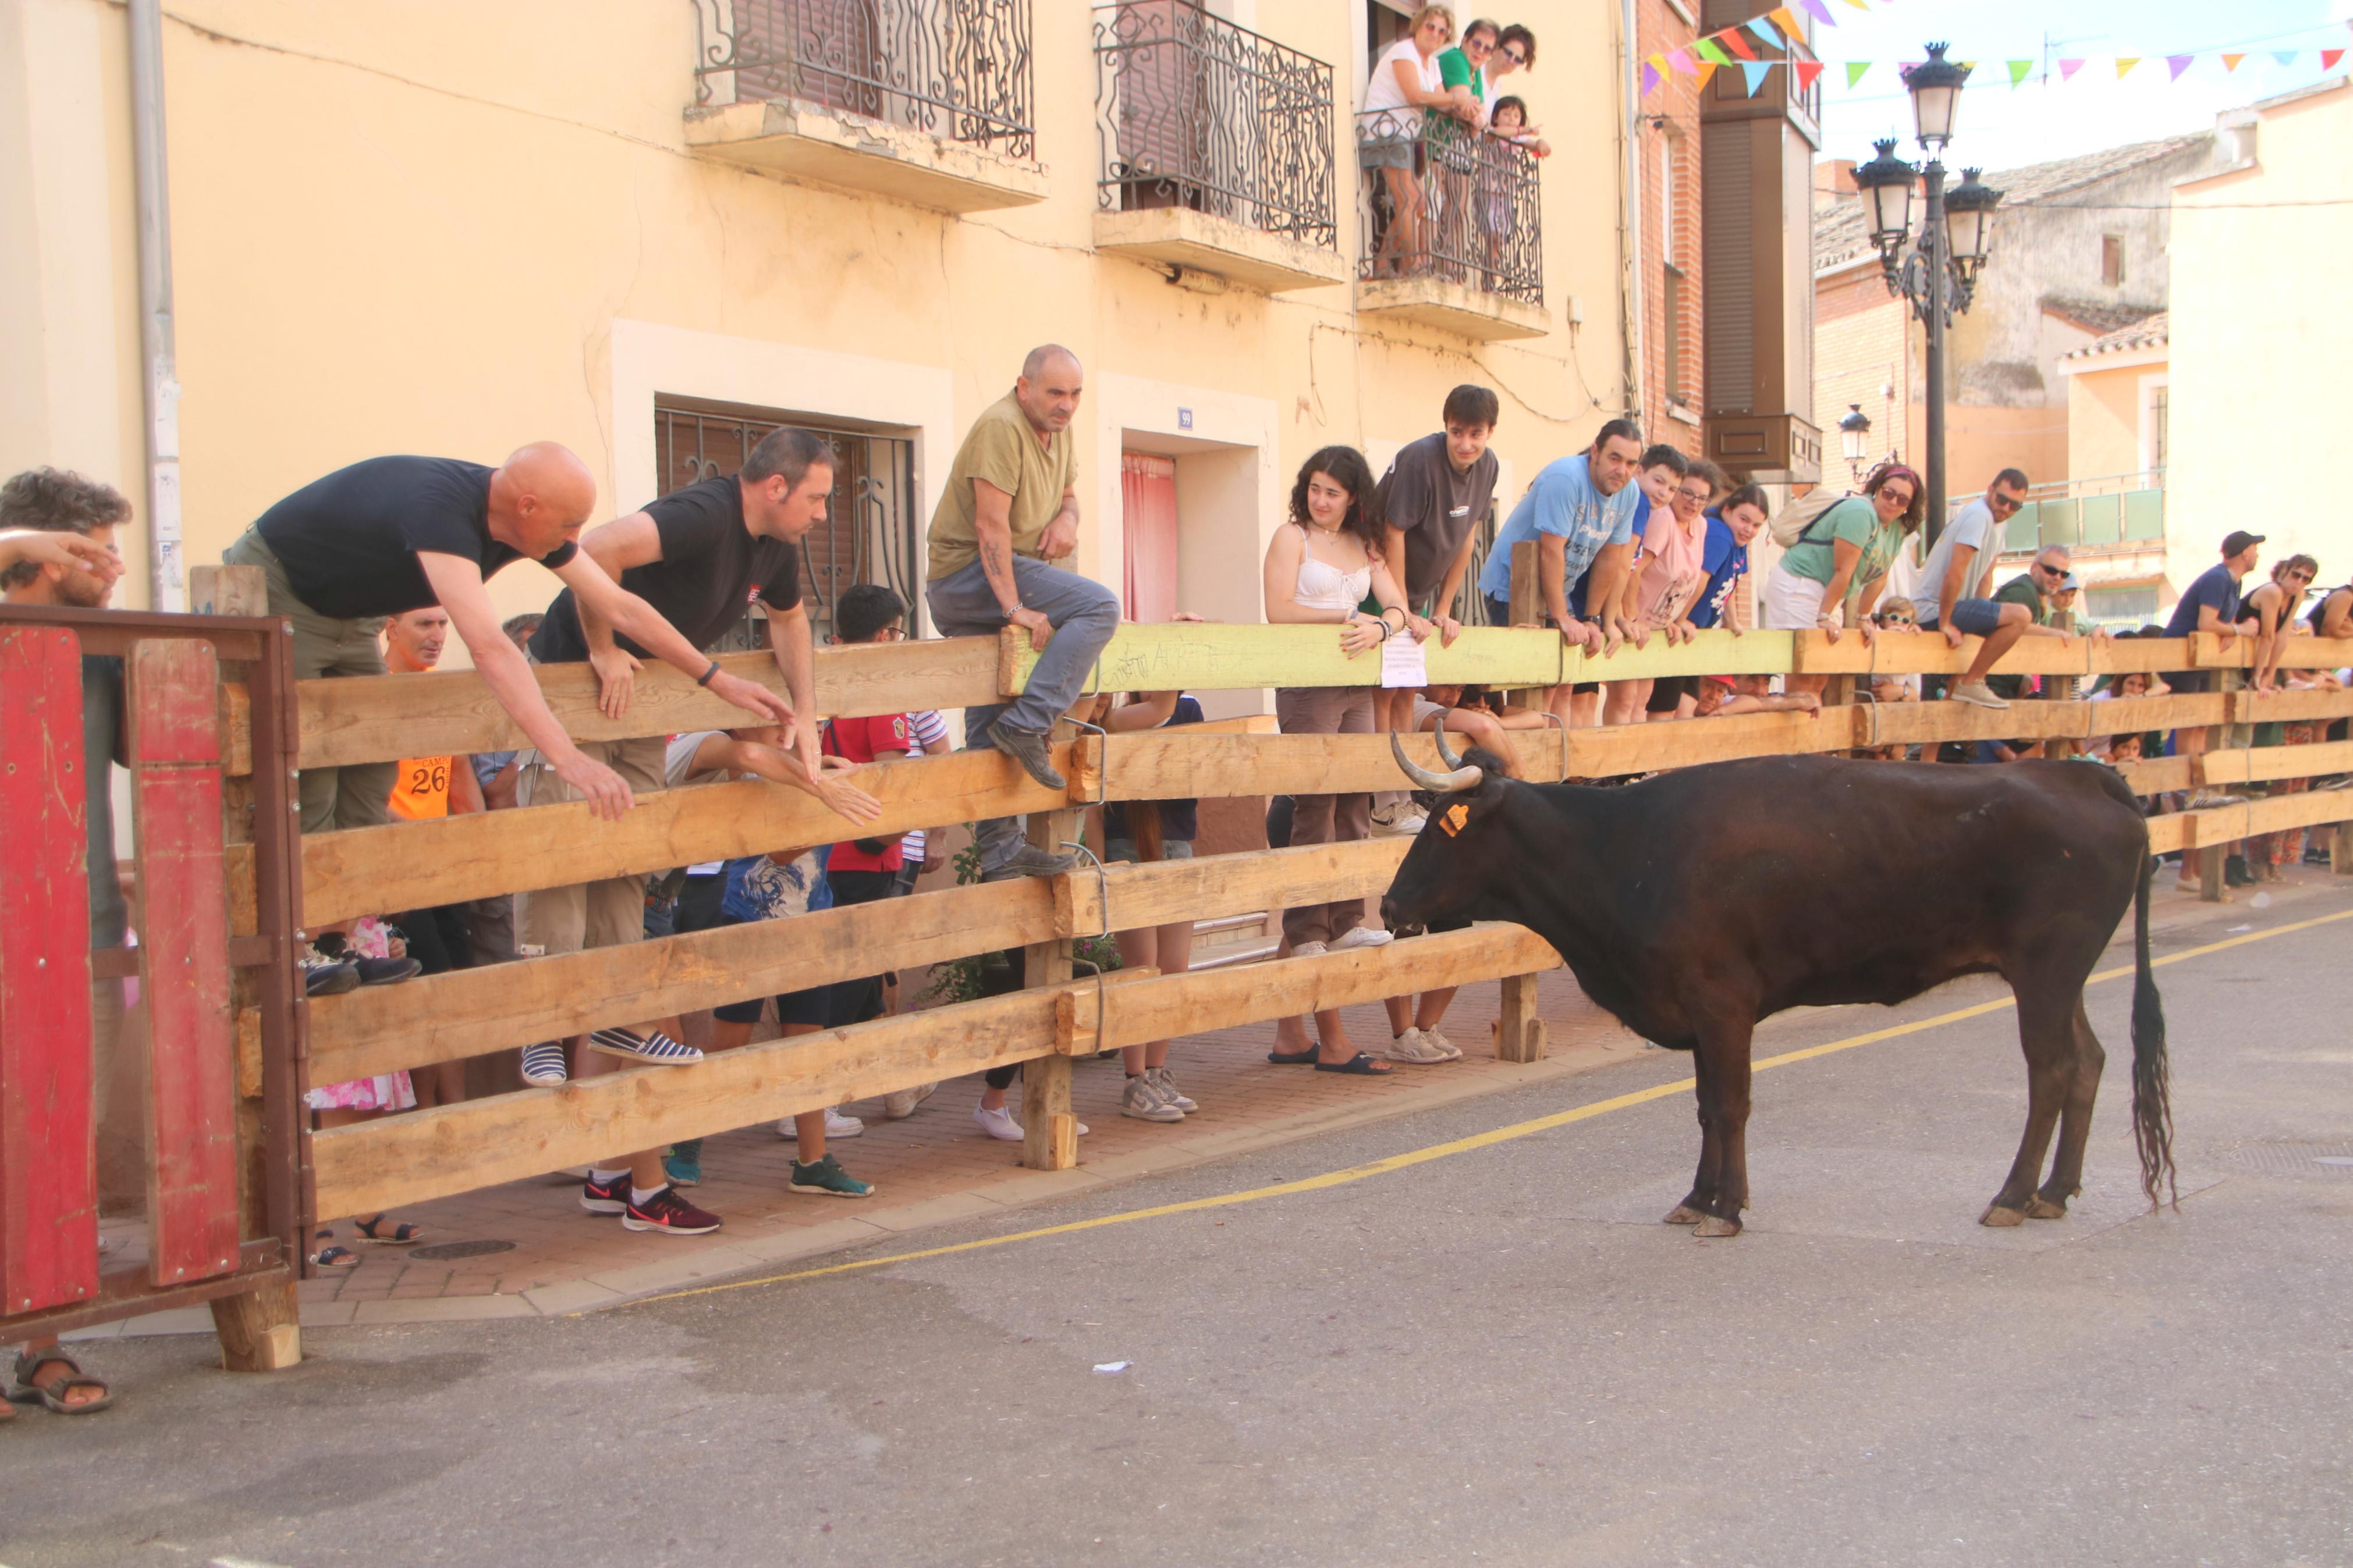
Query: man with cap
[2211,603]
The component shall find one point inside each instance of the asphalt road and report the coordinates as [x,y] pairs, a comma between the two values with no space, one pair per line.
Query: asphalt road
[1495,1355]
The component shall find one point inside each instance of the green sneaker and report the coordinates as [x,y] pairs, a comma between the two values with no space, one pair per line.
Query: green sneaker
[683,1163]
[826,1179]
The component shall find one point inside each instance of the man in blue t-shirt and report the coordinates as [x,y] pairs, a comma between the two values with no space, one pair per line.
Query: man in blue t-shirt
[1580,515]
[2211,603]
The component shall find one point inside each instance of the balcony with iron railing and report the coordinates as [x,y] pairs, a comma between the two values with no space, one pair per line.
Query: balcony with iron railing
[929,101]
[1215,148]
[1450,226]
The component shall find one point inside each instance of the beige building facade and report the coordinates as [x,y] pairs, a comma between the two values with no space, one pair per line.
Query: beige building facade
[451,228]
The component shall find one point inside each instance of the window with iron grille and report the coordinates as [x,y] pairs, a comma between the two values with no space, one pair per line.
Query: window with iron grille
[869,530]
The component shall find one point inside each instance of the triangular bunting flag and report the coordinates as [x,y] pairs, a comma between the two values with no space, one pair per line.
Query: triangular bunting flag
[1707,69]
[1731,39]
[2328,59]
[1784,19]
[1754,71]
[1859,5]
[2230,62]
[1705,49]
[2177,63]
[1854,70]
[2285,56]
[1649,78]
[2067,69]
[2019,71]
[1681,59]
[1807,72]
[2125,64]
[1764,33]
[1821,13]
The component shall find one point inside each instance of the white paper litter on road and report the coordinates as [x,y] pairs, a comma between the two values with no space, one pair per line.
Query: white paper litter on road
[2236,929]
[1402,664]
[1112,1368]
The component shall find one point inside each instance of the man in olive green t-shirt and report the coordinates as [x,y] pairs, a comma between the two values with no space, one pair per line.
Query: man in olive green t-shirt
[1010,507]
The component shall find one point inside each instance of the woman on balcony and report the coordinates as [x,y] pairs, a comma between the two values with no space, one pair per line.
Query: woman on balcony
[1406,80]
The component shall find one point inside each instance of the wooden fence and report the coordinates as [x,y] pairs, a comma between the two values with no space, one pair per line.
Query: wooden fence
[383,1163]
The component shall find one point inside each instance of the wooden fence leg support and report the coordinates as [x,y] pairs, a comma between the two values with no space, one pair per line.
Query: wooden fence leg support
[260,1331]
[1519,1033]
[2340,850]
[2210,873]
[1050,1138]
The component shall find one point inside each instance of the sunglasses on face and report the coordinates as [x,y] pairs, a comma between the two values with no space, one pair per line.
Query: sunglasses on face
[1901,498]
[1478,45]
[2003,504]
[1517,56]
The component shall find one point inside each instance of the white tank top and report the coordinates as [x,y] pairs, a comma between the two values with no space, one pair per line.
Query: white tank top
[1322,587]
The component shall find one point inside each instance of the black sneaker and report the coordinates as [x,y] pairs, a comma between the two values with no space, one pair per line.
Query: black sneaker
[1027,747]
[666,1211]
[325,976]
[372,971]
[600,1197]
[1031,861]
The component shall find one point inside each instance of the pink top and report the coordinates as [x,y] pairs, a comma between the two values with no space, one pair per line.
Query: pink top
[1674,569]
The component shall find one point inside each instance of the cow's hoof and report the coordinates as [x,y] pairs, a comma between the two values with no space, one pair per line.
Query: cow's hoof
[1684,1214]
[2001,1218]
[1710,1225]
[2044,1208]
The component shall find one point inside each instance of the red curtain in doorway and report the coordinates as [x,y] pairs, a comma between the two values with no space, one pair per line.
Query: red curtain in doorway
[1147,494]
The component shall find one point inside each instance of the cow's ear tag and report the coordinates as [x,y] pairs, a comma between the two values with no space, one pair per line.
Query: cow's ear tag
[1454,817]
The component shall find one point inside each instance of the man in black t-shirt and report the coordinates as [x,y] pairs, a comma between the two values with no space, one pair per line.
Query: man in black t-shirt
[393,535]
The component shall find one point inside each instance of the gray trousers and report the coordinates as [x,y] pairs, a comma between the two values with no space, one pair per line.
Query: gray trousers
[1083,614]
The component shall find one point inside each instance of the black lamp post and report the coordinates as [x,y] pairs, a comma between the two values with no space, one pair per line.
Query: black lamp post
[1940,276]
[1854,431]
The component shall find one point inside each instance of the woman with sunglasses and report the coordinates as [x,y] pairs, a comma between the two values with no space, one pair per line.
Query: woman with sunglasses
[1831,578]
[1405,79]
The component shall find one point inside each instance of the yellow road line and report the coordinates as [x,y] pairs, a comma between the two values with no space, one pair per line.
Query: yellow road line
[1460,1145]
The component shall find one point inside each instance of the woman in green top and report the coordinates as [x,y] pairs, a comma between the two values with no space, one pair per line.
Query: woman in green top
[1832,576]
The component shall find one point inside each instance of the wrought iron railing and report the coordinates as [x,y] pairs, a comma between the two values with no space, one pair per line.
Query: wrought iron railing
[957,68]
[2114,511]
[1442,201]
[1193,111]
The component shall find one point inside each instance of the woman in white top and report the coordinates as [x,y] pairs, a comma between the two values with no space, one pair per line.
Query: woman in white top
[1405,81]
[1320,568]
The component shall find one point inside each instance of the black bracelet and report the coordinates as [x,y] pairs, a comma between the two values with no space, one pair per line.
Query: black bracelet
[707,674]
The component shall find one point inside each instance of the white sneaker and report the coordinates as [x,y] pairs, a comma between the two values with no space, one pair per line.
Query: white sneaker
[1399,822]
[837,1125]
[1363,936]
[1412,1047]
[1454,1052]
[1308,949]
[1142,1098]
[1168,1090]
[900,1104]
[2210,799]
[1977,693]
[997,1123]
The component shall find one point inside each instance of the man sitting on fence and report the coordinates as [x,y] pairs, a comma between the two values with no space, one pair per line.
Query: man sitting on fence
[1009,506]
[57,547]
[1957,586]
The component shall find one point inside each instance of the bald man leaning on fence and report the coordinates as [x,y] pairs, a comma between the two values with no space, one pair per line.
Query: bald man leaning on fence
[1010,507]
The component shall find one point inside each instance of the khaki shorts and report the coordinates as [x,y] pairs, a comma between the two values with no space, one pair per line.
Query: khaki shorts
[588,915]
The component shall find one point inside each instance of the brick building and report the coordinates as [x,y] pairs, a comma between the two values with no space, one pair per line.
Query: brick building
[1669,253]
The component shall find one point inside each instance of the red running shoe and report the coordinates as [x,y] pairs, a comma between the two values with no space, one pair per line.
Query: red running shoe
[598,1197]
[666,1211]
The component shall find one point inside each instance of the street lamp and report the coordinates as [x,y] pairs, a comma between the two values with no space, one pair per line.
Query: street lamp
[1854,430]
[1940,276]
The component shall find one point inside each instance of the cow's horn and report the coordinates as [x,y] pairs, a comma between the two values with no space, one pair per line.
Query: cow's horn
[1461,778]
[1445,753]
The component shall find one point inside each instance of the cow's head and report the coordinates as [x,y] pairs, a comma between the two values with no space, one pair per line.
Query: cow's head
[1463,852]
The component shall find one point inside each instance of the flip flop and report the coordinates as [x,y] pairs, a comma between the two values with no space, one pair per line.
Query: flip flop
[52,1395]
[403,1233]
[336,1257]
[1360,1065]
[1292,1059]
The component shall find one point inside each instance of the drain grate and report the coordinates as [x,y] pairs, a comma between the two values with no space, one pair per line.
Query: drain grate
[446,1251]
[2295,1157]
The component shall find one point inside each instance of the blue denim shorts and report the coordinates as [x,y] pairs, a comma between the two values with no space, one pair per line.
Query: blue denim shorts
[1973,617]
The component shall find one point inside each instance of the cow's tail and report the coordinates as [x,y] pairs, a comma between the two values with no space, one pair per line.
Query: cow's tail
[2152,1078]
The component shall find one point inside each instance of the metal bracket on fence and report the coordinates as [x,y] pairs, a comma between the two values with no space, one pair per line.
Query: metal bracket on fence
[1561,725]
[1103,881]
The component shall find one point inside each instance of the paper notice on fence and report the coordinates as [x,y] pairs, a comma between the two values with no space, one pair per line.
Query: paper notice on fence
[1402,664]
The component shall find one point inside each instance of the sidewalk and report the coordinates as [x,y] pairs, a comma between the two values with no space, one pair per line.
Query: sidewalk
[526,1249]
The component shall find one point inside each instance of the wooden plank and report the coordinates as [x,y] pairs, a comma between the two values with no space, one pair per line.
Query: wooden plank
[1681,742]
[401,1159]
[49,1173]
[2158,777]
[2257,764]
[228,591]
[469,1012]
[1520,1031]
[235,729]
[192,1189]
[1049,1128]
[2211,650]
[2315,653]
[2168,834]
[259,1330]
[1199,656]
[383,717]
[1711,652]
[2229,824]
[1178,1005]
[418,864]
[2268,706]
[1129,897]
[2340,850]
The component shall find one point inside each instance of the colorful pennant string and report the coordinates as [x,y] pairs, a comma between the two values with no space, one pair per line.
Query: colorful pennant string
[1754,71]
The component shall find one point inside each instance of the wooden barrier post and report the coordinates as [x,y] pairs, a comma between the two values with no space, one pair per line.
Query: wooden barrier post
[2340,850]
[1519,1031]
[2212,861]
[1050,1132]
[1527,606]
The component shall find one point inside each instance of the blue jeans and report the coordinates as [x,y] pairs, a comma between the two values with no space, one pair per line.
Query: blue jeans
[1083,614]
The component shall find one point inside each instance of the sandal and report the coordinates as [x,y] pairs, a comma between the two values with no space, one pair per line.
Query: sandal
[1292,1059]
[1361,1064]
[403,1233]
[336,1257]
[52,1393]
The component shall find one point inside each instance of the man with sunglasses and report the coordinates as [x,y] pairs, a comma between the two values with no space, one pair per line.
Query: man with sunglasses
[1957,586]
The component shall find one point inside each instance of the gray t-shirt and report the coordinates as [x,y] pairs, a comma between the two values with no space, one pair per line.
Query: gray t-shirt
[1974,526]
[1435,507]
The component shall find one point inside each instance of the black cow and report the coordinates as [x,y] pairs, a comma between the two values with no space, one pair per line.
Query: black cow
[1697,902]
